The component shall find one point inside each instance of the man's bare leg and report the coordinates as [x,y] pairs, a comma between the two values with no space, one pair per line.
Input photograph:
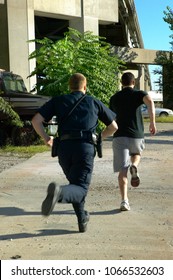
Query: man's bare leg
[135,180]
[123,182]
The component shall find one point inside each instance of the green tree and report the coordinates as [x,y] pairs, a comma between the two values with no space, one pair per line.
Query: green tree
[10,116]
[166,60]
[86,53]
[169,19]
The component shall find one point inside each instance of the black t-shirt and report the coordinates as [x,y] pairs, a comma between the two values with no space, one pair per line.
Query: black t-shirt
[127,106]
[84,117]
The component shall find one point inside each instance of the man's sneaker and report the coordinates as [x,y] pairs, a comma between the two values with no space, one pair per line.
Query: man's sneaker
[53,195]
[124,206]
[135,180]
[83,225]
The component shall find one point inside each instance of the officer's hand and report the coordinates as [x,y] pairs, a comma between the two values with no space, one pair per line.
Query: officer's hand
[49,142]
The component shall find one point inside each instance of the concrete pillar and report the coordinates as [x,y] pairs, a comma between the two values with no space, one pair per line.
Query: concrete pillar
[141,77]
[31,36]
[4,54]
[20,30]
[89,17]
[85,24]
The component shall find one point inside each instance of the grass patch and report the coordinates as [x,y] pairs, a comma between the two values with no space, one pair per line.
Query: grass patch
[24,151]
[168,119]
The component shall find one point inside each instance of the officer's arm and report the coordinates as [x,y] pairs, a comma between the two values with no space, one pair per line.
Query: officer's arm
[109,130]
[37,122]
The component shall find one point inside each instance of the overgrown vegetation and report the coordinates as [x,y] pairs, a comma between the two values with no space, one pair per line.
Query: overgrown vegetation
[84,52]
[12,117]
[166,60]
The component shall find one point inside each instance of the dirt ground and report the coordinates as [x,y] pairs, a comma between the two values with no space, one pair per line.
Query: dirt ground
[144,233]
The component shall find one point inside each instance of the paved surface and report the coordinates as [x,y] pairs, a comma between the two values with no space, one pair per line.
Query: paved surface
[145,232]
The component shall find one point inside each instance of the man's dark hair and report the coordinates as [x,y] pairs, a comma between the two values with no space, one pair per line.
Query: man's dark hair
[127,79]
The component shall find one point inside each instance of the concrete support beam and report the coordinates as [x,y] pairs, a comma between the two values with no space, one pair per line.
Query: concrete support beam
[18,36]
[144,56]
[94,12]
[31,46]
[58,8]
[89,19]
[85,24]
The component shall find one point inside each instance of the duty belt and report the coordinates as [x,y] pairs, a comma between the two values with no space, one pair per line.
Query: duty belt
[77,135]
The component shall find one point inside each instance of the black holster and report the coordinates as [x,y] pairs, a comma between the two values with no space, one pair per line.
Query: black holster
[98,145]
[54,152]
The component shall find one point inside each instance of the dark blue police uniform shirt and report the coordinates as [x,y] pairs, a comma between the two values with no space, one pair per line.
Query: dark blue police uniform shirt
[84,117]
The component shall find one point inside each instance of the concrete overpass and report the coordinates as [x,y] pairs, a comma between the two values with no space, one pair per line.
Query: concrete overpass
[24,20]
[145,56]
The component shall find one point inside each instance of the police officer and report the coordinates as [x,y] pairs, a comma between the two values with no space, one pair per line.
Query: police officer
[76,150]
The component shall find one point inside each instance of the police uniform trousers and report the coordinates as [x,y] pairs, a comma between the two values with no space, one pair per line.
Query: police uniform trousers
[76,157]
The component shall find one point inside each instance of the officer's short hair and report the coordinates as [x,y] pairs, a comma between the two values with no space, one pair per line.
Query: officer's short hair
[127,79]
[76,81]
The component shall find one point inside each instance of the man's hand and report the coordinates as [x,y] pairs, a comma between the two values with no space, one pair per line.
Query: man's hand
[49,142]
[37,122]
[152,128]
[151,110]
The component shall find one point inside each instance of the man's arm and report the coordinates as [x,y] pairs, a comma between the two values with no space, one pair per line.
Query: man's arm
[37,122]
[109,130]
[151,111]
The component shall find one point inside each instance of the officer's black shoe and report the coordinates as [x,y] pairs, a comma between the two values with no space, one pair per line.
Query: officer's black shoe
[53,195]
[83,224]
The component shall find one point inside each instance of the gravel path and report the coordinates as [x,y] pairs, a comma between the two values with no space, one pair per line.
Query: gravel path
[8,160]
[144,233]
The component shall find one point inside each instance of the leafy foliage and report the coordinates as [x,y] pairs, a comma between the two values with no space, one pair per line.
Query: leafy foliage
[169,19]
[166,60]
[77,52]
[12,117]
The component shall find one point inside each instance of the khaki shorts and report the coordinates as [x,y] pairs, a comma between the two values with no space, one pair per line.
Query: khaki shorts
[123,149]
